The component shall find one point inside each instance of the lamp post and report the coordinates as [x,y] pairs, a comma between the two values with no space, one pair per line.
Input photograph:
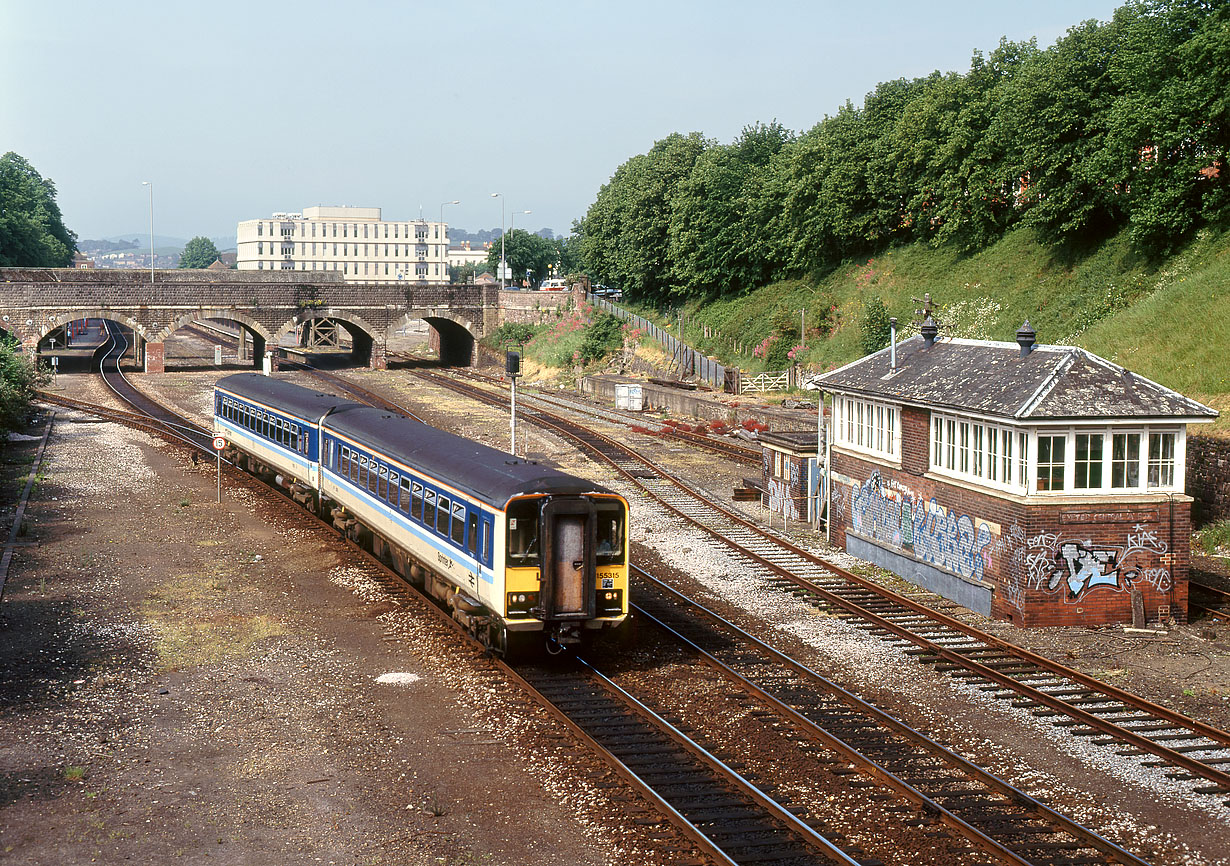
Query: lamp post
[150,184]
[443,203]
[500,196]
[512,220]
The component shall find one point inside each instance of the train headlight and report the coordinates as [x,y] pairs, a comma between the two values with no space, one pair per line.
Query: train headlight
[521,604]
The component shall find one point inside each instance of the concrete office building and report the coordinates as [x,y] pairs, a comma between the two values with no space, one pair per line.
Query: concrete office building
[353,241]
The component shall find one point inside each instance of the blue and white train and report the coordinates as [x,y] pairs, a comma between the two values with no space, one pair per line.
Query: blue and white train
[516,550]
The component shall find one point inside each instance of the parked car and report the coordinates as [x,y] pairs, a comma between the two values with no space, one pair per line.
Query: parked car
[608,293]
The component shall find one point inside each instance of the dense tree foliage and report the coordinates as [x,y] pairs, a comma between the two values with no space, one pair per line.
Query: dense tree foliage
[1120,123]
[199,252]
[525,253]
[32,232]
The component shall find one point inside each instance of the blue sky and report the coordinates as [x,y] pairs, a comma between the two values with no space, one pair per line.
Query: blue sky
[236,110]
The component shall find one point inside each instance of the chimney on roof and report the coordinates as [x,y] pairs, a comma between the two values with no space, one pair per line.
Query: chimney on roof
[892,341]
[929,331]
[1025,338]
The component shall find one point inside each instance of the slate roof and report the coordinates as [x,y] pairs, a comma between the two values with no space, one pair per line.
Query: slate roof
[990,378]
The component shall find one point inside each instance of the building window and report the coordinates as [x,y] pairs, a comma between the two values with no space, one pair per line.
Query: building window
[260,248]
[1051,461]
[260,229]
[1161,459]
[866,426]
[1088,473]
[974,450]
[1125,460]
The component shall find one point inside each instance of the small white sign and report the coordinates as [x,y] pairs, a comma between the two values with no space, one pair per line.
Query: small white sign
[219,443]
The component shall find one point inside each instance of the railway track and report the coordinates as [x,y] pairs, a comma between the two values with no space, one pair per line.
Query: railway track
[145,413]
[1212,602]
[722,817]
[1186,748]
[535,398]
[994,817]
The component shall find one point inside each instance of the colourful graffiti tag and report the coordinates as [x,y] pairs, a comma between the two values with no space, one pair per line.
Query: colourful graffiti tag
[1053,563]
[928,531]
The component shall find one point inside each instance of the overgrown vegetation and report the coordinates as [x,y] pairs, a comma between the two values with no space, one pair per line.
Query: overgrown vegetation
[1214,539]
[1120,128]
[18,380]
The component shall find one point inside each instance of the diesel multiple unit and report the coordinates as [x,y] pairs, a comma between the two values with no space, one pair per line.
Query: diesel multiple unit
[516,550]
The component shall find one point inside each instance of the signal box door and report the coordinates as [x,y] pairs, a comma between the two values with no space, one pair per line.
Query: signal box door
[568,569]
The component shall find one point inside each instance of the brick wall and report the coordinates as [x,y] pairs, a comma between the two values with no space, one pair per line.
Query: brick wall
[1208,478]
[534,308]
[1044,562]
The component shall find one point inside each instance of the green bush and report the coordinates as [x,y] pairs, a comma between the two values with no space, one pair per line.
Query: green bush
[18,379]
[601,338]
[511,333]
[874,328]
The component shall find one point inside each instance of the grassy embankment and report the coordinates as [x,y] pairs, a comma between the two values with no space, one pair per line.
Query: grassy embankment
[1168,321]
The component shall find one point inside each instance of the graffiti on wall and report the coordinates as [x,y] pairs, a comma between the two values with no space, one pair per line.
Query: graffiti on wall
[893,515]
[1072,567]
[1069,567]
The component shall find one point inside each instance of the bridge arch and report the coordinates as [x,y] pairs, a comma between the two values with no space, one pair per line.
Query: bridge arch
[454,337]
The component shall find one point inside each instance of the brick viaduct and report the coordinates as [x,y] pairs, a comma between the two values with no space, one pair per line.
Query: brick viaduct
[37,303]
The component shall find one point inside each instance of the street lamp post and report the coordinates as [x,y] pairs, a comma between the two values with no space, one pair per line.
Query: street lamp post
[444,239]
[512,220]
[150,184]
[500,196]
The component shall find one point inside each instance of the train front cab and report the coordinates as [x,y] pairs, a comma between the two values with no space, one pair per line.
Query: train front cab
[566,565]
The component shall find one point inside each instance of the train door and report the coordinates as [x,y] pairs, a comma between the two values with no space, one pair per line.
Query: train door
[568,567]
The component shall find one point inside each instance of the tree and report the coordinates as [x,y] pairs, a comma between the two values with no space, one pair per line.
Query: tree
[525,252]
[199,252]
[32,232]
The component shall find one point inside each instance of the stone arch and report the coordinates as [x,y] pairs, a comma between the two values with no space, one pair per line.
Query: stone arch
[367,341]
[254,327]
[454,337]
[57,321]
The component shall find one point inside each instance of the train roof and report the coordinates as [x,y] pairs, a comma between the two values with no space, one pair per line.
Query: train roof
[295,399]
[486,473]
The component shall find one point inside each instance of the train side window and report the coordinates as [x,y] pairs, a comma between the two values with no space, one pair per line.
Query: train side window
[393,485]
[523,549]
[362,471]
[458,530]
[416,498]
[610,535]
[429,506]
[344,463]
[485,550]
[472,534]
[383,492]
[404,503]
[442,511]
[374,475]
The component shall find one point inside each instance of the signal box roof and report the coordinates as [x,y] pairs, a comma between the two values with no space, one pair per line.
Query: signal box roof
[1050,383]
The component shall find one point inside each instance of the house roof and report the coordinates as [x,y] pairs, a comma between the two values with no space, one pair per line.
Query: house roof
[991,378]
